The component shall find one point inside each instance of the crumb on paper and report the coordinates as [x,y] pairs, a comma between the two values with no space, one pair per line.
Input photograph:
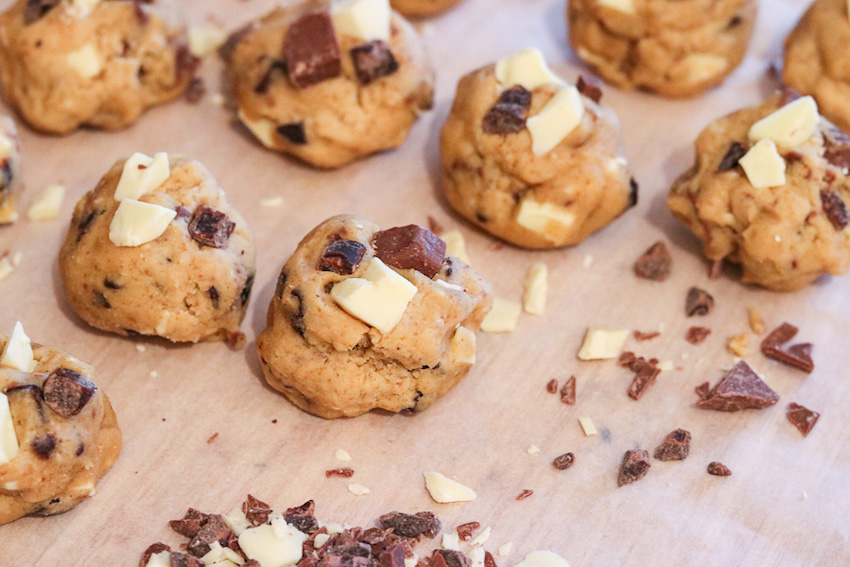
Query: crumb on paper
[738,344]
[532,449]
[272,202]
[358,489]
[140,348]
[505,549]
[587,426]
[756,322]
[342,455]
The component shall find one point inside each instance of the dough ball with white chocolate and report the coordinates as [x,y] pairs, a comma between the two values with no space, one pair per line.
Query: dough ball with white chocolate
[101,63]
[58,433]
[10,170]
[770,190]
[532,159]
[422,8]
[364,318]
[330,86]
[157,249]
[670,47]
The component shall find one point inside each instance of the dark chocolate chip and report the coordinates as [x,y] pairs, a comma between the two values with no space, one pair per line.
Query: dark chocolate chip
[407,525]
[590,86]
[153,549]
[718,469]
[190,524]
[835,209]
[703,389]
[798,356]
[245,294]
[341,257]
[696,335]
[303,517]
[277,67]
[518,95]
[410,247]
[568,391]
[36,9]
[739,389]
[394,556]
[67,392]
[802,418]
[646,372]
[565,461]
[733,155]
[293,132]
[256,511]
[654,264]
[44,445]
[211,227]
[436,524]
[85,223]
[311,50]
[296,320]
[634,190]
[214,529]
[634,467]
[836,148]
[183,559]
[510,112]
[6,176]
[100,300]
[372,61]
[214,296]
[698,302]
[675,446]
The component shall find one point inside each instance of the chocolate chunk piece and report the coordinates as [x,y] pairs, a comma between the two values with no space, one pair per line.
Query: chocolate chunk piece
[568,391]
[67,392]
[634,467]
[311,50]
[696,335]
[211,227]
[183,559]
[646,372]
[675,446]
[552,386]
[43,445]
[341,257]
[293,132]
[256,511]
[410,247]
[655,264]
[565,461]
[718,469]
[802,418]
[153,549]
[488,560]
[836,148]
[509,113]
[797,356]
[835,209]
[302,517]
[407,525]
[590,86]
[372,61]
[733,155]
[214,529]
[454,558]
[344,472]
[36,9]
[465,531]
[698,302]
[739,389]
[436,524]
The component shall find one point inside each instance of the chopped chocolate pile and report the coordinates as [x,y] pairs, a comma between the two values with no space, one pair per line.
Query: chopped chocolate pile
[798,356]
[565,461]
[311,50]
[802,418]
[739,389]
[655,264]
[509,113]
[211,227]
[590,86]
[568,391]
[733,155]
[675,447]
[256,511]
[835,209]
[718,469]
[410,247]
[634,467]
[67,392]
[646,372]
[342,257]
[696,335]
[698,302]
[344,472]
[372,61]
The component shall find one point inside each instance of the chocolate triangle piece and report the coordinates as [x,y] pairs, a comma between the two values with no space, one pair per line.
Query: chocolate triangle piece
[739,389]
[797,356]
[802,418]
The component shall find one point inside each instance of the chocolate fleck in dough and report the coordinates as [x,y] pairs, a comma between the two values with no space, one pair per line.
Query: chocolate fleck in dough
[802,418]
[422,8]
[71,64]
[782,236]
[67,433]
[797,356]
[634,467]
[669,47]
[739,389]
[10,170]
[333,364]
[192,283]
[654,264]
[675,447]
[328,98]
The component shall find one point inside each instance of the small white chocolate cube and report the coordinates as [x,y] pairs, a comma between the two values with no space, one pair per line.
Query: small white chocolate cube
[18,351]
[142,174]
[443,489]
[763,165]
[544,218]
[47,204]
[527,68]
[601,343]
[556,120]
[136,223]
[85,61]
[8,437]
[790,126]
[503,317]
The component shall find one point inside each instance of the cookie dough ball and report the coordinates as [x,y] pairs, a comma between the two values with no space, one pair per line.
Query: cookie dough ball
[156,249]
[364,318]
[813,64]
[58,433]
[422,8]
[770,191]
[671,47]
[10,170]
[531,159]
[100,63]
[329,87]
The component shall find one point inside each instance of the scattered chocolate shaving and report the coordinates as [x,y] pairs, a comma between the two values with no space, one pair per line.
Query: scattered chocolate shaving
[302,517]
[675,446]
[311,50]
[44,445]
[410,247]
[153,549]
[835,209]
[568,391]
[797,356]
[36,9]
[836,148]
[733,155]
[190,524]
[410,525]
[196,91]
[703,389]
[718,469]
[341,257]
[372,61]
[509,114]
[698,302]
[344,472]
[524,494]
[634,467]
[293,132]
[640,336]
[646,373]
[453,558]
[739,389]
[565,461]
[66,392]
[214,529]
[802,418]
[211,227]
[696,335]
[655,264]
[552,386]
[183,559]
[465,531]
[590,86]
[256,511]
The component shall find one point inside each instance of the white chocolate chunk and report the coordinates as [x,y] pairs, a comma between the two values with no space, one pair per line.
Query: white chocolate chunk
[476,554]
[85,61]
[601,343]
[273,545]
[219,556]
[536,288]
[543,559]
[320,540]
[462,346]
[342,455]
[136,223]
[79,9]
[703,66]
[443,489]
[236,521]
[8,437]
[6,268]
[451,541]
[527,68]
[544,218]
[503,317]
[556,120]
[505,549]
[363,19]
[532,449]
[763,165]
[18,351]
[206,38]
[358,489]
[161,559]
[482,538]
[455,245]
[789,126]
[272,202]
[262,128]
[142,174]
[379,298]
[47,204]
[625,6]
[587,426]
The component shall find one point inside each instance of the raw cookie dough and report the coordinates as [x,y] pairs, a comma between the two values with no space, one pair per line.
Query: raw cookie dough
[71,63]
[497,180]
[671,47]
[60,459]
[815,65]
[333,364]
[190,283]
[339,112]
[786,235]
[10,170]
[422,8]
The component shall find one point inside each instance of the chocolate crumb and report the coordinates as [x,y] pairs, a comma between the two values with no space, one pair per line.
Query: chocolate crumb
[311,50]
[696,335]
[465,531]
[634,190]
[797,356]
[524,494]
[568,391]
[452,558]
[733,155]
[211,227]
[341,257]
[190,524]
[654,264]
[634,467]
[675,446]
[835,209]
[44,445]
[436,524]
[372,61]
[293,132]
[802,418]
[718,469]
[344,472]
[590,86]
[488,560]
[66,392]
[256,511]
[214,529]
[509,113]
[552,386]
[153,549]
[214,296]
[626,359]
[565,461]
[183,559]
[698,302]
[411,525]
[739,389]
[640,336]
[212,438]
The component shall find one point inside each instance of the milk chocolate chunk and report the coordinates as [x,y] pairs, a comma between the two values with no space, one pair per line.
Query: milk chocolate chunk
[36,9]
[256,511]
[293,132]
[153,549]
[698,302]
[802,418]
[675,446]
[407,525]
[718,469]
[646,372]
[342,257]
[836,148]
[655,264]
[394,556]
[634,467]
[211,227]
[214,529]
[436,524]
[412,247]
[311,50]
[797,356]
[590,86]
[372,61]
[739,389]
[67,392]
[703,389]
[568,391]
[835,209]
[565,461]
[733,155]
[509,113]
